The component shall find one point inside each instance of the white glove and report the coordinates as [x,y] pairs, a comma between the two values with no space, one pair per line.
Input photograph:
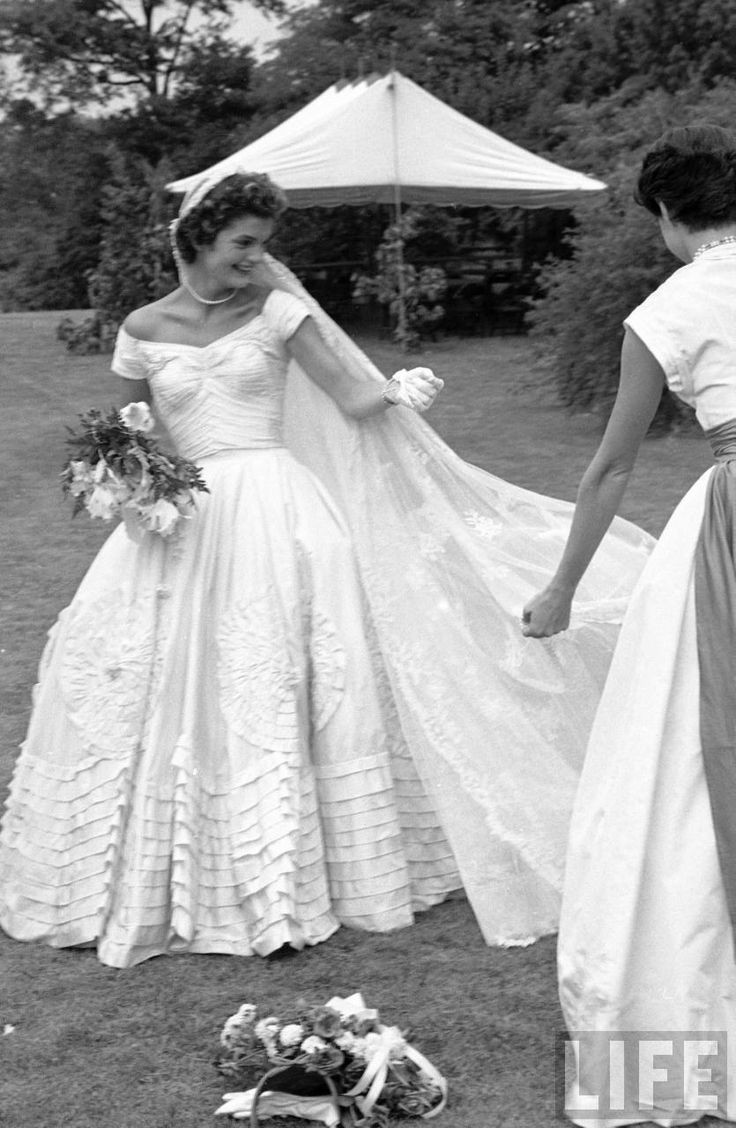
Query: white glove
[416,388]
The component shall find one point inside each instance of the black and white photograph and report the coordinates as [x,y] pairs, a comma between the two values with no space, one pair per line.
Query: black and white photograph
[368,609]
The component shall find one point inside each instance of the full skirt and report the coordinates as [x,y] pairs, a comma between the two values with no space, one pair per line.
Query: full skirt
[646,943]
[213,762]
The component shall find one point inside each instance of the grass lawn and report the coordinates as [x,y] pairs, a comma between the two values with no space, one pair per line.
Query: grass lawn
[97,1048]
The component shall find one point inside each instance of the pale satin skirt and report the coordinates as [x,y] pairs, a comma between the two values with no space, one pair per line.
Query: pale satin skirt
[646,942]
[213,762]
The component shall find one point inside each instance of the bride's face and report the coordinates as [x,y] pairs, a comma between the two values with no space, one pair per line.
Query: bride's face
[237,250]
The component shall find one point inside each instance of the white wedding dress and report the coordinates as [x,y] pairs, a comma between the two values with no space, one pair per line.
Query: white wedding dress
[645,941]
[312,706]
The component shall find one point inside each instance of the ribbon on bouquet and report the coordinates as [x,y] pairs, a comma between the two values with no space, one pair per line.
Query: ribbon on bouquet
[375,1074]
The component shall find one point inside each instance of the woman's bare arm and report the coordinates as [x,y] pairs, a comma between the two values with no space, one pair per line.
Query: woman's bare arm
[602,486]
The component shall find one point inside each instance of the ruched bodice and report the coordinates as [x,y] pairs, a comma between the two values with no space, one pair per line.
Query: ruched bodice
[227,395]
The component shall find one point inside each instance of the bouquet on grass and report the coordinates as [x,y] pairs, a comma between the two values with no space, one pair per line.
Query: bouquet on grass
[118,470]
[335,1063]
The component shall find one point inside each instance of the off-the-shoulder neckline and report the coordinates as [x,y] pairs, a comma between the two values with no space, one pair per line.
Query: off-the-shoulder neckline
[200,348]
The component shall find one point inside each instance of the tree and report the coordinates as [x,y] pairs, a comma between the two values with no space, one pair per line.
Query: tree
[675,42]
[137,269]
[187,86]
[616,255]
[52,172]
[85,51]
[194,127]
[452,49]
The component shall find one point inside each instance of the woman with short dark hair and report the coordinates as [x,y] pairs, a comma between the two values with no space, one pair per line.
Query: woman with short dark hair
[647,931]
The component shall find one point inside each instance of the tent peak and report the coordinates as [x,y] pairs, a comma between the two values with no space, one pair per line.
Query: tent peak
[367,140]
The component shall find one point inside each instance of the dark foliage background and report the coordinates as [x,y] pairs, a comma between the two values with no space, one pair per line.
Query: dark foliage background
[107,104]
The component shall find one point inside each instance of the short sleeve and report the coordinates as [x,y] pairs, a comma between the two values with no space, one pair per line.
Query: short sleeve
[655,334]
[657,323]
[284,313]
[127,360]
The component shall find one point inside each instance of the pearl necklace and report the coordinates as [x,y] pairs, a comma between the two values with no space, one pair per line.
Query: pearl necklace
[205,301]
[714,243]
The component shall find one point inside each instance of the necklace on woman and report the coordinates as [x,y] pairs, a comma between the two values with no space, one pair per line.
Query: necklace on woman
[205,301]
[714,243]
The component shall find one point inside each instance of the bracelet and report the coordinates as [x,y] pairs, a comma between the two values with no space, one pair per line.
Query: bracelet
[392,387]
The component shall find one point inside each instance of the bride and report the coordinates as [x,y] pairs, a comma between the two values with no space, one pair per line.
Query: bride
[311,706]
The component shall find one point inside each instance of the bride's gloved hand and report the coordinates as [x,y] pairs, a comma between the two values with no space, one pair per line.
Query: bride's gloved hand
[416,388]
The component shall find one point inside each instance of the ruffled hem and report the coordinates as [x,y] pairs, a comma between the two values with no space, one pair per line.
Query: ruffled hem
[280,854]
[61,839]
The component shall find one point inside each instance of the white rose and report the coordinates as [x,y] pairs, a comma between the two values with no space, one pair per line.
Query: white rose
[394,1041]
[246,1013]
[373,1042]
[291,1034]
[161,517]
[267,1029]
[313,1044]
[346,1041]
[243,1018]
[102,503]
[137,417]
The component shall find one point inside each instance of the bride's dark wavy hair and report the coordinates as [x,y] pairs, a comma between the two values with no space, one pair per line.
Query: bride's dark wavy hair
[236,196]
[692,171]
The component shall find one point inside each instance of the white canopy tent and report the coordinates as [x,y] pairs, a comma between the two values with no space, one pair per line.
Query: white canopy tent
[386,140]
[369,141]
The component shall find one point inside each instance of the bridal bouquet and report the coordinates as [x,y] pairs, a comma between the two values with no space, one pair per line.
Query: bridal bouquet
[335,1063]
[118,470]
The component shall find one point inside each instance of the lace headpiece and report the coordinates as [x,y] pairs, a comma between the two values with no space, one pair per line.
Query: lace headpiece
[194,196]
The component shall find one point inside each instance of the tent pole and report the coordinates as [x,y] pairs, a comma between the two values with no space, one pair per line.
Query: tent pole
[397,210]
[400,263]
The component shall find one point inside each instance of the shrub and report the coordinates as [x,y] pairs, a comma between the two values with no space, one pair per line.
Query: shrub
[135,264]
[419,288]
[617,259]
[95,334]
[616,255]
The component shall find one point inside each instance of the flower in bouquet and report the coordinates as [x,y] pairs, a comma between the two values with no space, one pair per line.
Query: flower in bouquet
[138,417]
[291,1035]
[370,1069]
[160,516]
[322,1056]
[327,1022]
[239,1029]
[118,470]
